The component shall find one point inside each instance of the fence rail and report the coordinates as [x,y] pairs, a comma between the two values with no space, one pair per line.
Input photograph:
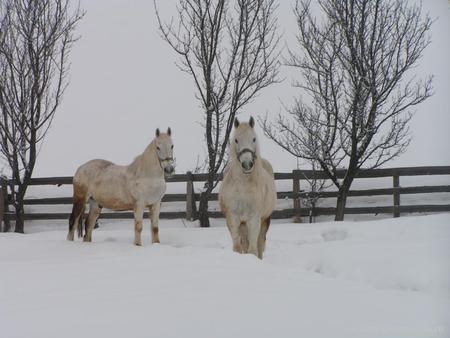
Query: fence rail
[190,197]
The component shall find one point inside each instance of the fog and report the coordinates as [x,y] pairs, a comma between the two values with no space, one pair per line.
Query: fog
[124,84]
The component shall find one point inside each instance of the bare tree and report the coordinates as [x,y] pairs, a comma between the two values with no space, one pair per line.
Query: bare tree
[312,197]
[230,48]
[360,95]
[36,39]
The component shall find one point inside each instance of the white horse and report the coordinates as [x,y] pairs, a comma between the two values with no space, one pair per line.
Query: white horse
[134,187]
[247,195]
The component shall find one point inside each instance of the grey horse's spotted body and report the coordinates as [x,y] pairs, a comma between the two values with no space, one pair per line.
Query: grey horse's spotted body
[134,187]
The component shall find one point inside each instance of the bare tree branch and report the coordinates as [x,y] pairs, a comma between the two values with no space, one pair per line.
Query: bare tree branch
[231,49]
[35,40]
[360,93]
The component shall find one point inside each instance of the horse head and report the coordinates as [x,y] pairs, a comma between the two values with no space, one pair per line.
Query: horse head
[164,151]
[245,144]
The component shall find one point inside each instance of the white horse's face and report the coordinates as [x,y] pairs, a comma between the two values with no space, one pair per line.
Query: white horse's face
[245,144]
[164,150]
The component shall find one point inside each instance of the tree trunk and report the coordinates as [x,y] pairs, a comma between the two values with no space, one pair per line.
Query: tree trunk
[342,197]
[19,227]
[340,205]
[18,199]
[204,199]
[312,212]
[352,171]
[203,210]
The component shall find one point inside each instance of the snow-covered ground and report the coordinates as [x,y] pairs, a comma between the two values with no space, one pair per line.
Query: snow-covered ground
[384,278]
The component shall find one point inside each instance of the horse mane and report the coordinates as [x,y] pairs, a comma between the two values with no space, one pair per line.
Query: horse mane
[144,161]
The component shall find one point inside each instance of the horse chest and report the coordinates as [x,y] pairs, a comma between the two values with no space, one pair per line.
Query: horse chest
[150,190]
[244,200]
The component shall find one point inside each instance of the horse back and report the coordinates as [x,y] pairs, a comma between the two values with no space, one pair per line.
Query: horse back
[270,191]
[267,166]
[88,171]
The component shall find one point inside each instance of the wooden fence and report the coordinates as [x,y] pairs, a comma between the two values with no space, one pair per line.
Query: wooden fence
[296,195]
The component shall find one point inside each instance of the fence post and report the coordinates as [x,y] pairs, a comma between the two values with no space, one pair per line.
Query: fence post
[396,194]
[191,208]
[4,205]
[296,196]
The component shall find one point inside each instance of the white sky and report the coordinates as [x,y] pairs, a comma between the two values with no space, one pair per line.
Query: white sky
[124,84]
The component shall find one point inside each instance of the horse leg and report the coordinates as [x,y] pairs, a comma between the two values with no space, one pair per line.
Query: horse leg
[233,225]
[243,237]
[265,223]
[254,226]
[138,216]
[79,203]
[94,212]
[154,219]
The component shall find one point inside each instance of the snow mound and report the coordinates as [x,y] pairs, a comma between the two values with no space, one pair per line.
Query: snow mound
[335,234]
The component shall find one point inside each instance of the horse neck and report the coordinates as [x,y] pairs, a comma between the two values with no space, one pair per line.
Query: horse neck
[147,164]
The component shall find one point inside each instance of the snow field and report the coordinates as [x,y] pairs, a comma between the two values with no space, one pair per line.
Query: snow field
[384,278]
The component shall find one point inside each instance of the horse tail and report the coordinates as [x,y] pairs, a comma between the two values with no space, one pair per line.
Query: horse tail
[77,212]
[71,220]
[79,204]
[80,223]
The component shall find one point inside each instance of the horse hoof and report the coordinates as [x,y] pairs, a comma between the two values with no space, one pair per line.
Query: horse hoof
[137,243]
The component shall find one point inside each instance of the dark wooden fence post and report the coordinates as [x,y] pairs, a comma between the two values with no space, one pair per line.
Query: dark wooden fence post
[4,205]
[191,208]
[396,194]
[296,195]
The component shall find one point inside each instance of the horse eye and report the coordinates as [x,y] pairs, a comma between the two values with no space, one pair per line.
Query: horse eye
[235,140]
[254,139]
[158,148]
[171,147]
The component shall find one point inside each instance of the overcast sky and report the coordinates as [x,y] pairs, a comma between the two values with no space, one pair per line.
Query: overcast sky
[124,84]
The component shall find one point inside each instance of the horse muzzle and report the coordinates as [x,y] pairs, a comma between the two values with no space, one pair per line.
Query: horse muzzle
[247,166]
[168,166]
[169,170]
[247,159]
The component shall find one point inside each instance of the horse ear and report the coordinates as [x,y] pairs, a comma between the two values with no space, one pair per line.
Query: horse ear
[157,132]
[251,122]
[169,131]
[236,122]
